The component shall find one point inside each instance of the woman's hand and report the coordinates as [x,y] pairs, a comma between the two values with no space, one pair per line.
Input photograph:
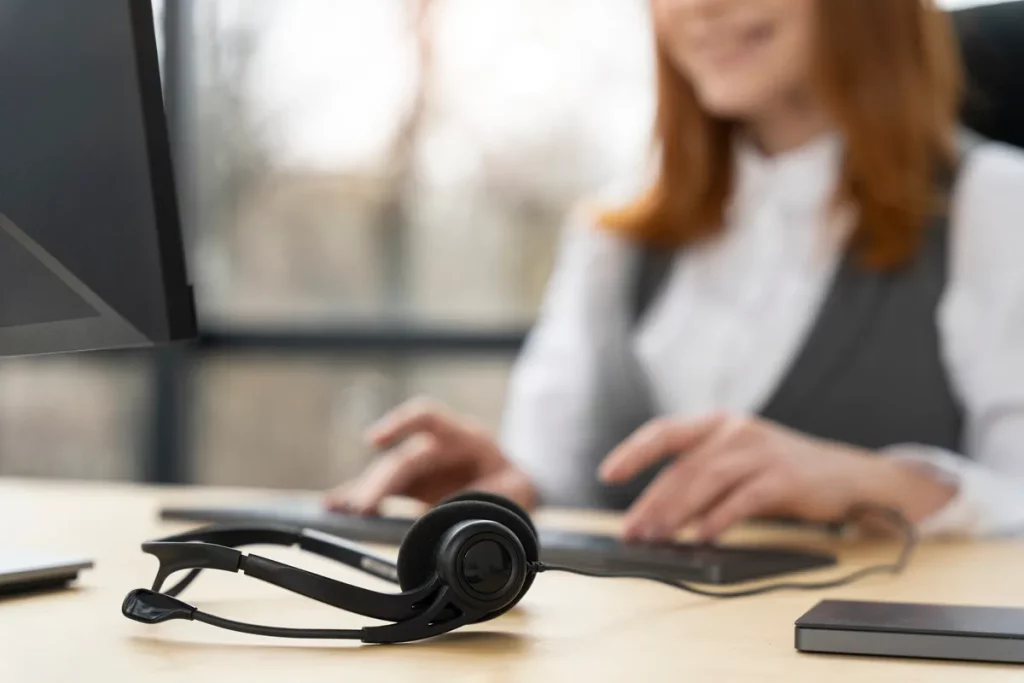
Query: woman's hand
[434,454]
[728,469]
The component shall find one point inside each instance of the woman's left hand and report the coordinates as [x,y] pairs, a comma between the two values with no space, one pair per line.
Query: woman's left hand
[728,469]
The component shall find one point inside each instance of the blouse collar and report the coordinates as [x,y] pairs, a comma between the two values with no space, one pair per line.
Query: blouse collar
[804,178]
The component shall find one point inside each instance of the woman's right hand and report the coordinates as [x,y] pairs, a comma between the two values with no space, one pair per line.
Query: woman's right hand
[434,454]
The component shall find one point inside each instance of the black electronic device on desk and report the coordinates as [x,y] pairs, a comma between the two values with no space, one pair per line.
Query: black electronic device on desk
[698,563]
[914,631]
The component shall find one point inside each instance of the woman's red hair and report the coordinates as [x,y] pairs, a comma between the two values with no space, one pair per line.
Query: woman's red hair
[890,74]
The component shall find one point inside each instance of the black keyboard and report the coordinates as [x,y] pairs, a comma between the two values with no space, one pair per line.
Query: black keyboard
[698,563]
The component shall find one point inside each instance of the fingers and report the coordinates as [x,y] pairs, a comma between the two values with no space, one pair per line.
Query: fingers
[644,521]
[391,475]
[337,498]
[675,500]
[757,496]
[732,435]
[410,419]
[434,454]
[715,483]
[655,442]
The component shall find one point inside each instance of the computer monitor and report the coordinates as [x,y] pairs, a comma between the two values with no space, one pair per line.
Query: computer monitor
[91,249]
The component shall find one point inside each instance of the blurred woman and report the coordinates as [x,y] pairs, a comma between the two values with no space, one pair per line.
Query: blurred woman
[817,302]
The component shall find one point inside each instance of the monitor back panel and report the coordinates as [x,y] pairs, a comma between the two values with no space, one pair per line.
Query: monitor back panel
[90,236]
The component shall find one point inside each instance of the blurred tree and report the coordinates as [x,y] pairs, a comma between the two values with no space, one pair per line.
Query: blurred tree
[400,163]
[235,158]
[395,216]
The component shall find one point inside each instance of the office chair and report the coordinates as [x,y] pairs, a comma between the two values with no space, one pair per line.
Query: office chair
[992,43]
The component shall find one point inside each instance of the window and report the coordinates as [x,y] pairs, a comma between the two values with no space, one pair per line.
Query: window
[376,160]
[358,164]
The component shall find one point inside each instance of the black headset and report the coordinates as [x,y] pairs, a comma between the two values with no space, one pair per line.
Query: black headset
[470,559]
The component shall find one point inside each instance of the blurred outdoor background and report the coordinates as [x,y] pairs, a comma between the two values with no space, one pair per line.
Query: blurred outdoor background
[389,174]
[352,164]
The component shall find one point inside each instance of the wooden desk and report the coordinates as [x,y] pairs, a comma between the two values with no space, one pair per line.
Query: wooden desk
[567,628]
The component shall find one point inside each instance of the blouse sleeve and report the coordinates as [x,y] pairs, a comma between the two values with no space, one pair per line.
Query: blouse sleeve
[982,328]
[548,416]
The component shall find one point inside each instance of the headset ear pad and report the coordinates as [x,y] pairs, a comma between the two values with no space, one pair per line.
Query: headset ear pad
[494,499]
[417,558]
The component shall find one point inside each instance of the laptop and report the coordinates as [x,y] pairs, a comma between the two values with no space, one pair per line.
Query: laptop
[23,572]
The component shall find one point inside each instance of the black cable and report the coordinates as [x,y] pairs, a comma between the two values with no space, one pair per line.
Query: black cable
[897,567]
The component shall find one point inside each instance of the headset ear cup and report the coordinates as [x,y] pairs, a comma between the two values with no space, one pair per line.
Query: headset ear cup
[494,499]
[417,558]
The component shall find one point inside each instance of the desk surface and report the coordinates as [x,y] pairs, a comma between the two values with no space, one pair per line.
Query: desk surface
[567,628]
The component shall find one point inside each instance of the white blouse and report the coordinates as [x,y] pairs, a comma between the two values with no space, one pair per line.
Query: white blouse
[733,314]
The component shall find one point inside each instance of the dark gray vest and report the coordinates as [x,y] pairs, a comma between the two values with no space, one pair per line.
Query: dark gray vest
[870,373]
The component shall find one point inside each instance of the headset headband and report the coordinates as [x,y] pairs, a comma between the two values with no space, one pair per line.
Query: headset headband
[216,548]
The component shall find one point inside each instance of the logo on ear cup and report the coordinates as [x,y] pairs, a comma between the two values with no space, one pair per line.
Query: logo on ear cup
[486,567]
